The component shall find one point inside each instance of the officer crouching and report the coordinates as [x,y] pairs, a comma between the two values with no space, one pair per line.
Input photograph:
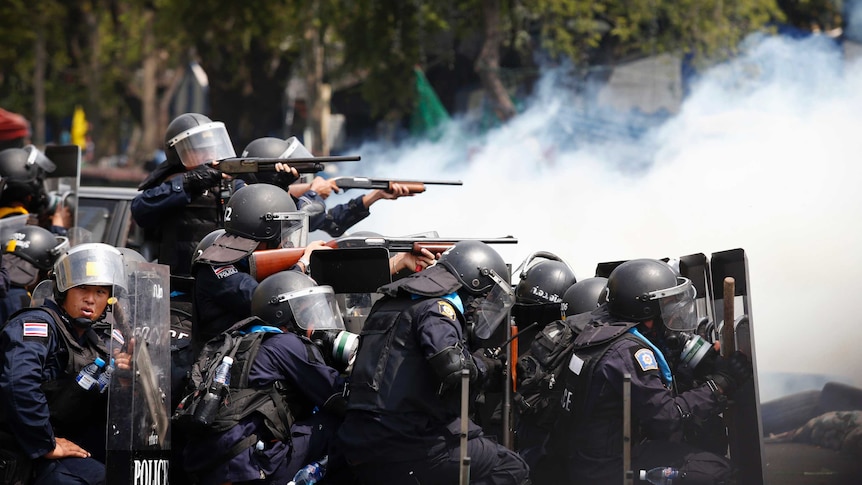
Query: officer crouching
[56,426]
[403,422]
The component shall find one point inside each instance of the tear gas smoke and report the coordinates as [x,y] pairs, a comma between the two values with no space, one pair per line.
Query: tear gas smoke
[763,155]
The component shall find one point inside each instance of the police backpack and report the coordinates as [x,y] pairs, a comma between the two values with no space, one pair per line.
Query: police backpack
[540,369]
[240,400]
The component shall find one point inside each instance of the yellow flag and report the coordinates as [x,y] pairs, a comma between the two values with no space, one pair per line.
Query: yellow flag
[79,128]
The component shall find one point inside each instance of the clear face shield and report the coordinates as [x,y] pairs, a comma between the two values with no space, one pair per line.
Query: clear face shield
[294,228]
[37,158]
[202,144]
[492,309]
[677,305]
[314,309]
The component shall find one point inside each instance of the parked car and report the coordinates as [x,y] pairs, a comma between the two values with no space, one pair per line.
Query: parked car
[105,215]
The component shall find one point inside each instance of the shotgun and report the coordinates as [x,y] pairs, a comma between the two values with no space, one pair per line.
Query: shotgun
[240,165]
[267,262]
[414,186]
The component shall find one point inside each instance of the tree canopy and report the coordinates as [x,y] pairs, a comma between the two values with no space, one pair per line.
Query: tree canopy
[123,60]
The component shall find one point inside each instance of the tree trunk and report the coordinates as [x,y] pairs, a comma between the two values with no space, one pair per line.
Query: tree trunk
[319,95]
[38,137]
[150,139]
[488,63]
[94,82]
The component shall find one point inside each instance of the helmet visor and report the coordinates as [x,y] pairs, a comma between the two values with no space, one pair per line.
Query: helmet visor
[677,305]
[491,310]
[202,144]
[314,308]
[36,157]
[295,149]
[294,228]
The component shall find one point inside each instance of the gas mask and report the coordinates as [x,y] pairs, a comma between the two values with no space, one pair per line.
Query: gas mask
[339,347]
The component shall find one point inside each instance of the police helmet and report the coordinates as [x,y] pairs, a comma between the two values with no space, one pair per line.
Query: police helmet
[22,171]
[293,300]
[271,147]
[36,245]
[584,296]
[262,212]
[644,289]
[472,263]
[204,243]
[196,139]
[484,279]
[544,282]
[24,164]
[91,264]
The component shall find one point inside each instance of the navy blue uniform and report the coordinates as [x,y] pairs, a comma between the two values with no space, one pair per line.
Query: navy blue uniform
[222,297]
[16,298]
[591,427]
[180,218]
[399,428]
[32,353]
[282,357]
[342,217]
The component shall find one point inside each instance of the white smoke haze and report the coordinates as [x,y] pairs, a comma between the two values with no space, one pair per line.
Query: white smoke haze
[764,155]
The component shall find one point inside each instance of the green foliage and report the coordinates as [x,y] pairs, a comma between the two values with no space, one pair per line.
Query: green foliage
[585,30]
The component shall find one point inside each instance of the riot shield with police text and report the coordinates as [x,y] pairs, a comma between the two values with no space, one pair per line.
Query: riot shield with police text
[138,442]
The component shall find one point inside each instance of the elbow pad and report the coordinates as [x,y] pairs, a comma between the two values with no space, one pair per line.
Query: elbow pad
[447,364]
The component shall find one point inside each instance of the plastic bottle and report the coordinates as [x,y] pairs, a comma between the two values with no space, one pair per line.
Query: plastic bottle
[105,376]
[662,475]
[89,375]
[207,409]
[311,473]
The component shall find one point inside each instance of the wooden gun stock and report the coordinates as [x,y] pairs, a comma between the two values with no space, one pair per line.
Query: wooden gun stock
[267,262]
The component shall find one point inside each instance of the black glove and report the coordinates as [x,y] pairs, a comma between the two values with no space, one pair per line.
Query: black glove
[494,364]
[731,372]
[200,179]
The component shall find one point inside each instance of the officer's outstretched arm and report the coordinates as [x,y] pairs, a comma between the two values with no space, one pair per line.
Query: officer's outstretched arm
[447,364]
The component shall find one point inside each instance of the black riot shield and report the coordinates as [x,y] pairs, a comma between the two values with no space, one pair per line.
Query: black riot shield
[138,444]
[743,414]
[354,275]
[62,184]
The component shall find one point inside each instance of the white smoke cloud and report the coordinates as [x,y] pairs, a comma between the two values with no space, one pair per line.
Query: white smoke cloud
[763,155]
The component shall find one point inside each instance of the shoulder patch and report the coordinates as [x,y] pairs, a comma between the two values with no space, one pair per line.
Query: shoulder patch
[646,359]
[225,271]
[445,308]
[36,329]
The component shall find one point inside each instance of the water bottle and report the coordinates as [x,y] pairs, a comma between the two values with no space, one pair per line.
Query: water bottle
[89,375]
[207,409]
[662,475]
[311,473]
[105,376]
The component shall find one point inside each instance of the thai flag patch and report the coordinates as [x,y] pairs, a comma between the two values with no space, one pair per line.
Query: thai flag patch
[118,336]
[36,329]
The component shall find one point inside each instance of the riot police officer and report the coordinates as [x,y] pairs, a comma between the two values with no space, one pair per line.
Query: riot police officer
[544,278]
[23,171]
[258,216]
[28,255]
[646,304]
[183,199]
[55,422]
[402,423]
[287,306]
